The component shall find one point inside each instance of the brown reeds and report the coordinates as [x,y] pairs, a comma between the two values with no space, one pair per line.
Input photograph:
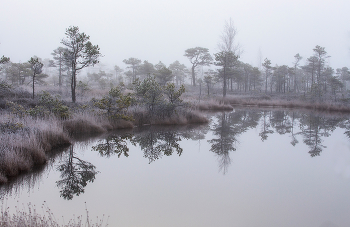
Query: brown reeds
[179,117]
[213,105]
[286,102]
[82,126]
[28,144]
[89,124]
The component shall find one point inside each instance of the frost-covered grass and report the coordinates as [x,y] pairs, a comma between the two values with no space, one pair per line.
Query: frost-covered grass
[29,216]
[25,143]
[287,102]
[180,117]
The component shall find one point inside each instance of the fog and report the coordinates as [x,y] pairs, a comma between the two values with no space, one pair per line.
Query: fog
[156,30]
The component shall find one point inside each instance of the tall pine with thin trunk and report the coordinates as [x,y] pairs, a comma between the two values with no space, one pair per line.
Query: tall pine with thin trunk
[80,53]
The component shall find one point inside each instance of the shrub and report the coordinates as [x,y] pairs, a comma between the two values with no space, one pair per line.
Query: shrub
[54,105]
[115,105]
[17,109]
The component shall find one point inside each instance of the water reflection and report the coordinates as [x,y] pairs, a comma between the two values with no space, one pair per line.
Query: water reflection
[155,141]
[314,128]
[227,128]
[293,135]
[27,182]
[114,144]
[75,174]
[222,135]
[265,126]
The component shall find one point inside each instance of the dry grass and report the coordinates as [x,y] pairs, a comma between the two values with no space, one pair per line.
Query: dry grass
[213,105]
[82,126]
[28,216]
[91,124]
[284,102]
[179,117]
[28,145]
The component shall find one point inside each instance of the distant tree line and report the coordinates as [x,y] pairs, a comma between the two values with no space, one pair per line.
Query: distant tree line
[224,69]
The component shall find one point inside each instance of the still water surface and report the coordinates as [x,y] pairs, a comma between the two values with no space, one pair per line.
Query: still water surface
[246,168]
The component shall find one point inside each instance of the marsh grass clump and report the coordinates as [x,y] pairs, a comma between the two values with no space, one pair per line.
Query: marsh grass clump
[214,105]
[26,143]
[29,216]
[82,126]
[92,124]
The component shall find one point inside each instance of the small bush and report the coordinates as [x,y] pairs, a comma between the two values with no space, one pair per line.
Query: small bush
[10,127]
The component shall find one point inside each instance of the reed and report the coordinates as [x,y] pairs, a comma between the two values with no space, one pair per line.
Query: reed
[212,104]
[27,144]
[29,216]
[90,124]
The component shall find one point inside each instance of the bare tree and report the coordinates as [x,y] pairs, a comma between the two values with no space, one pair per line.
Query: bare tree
[229,53]
[227,39]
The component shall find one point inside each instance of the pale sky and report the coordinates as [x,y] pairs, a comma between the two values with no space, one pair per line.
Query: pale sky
[159,30]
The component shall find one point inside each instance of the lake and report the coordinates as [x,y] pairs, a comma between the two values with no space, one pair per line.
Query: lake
[245,168]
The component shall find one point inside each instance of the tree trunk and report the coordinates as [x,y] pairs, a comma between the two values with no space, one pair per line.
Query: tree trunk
[224,86]
[193,76]
[33,84]
[60,75]
[73,85]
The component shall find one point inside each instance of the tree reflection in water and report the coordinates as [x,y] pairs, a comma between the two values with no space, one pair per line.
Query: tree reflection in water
[293,135]
[75,174]
[313,128]
[227,128]
[265,130]
[156,141]
[224,143]
[114,144]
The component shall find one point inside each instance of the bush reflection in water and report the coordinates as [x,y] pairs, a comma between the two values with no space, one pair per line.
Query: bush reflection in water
[156,141]
[225,128]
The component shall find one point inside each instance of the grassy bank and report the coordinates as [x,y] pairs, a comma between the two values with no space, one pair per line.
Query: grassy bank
[25,143]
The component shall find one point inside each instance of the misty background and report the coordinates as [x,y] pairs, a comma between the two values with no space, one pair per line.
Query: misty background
[156,30]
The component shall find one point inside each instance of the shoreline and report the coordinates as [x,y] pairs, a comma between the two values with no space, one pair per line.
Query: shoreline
[28,144]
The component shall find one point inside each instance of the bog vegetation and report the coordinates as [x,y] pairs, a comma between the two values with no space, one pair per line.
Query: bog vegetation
[45,103]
